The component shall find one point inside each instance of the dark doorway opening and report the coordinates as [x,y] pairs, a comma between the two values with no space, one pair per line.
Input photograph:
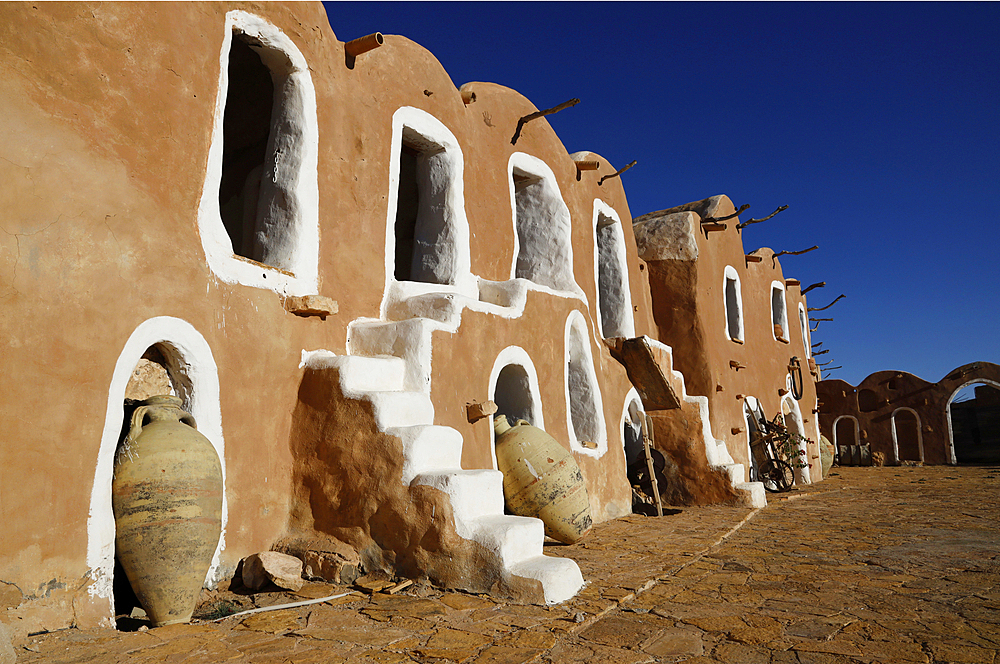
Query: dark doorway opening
[975,424]
[907,428]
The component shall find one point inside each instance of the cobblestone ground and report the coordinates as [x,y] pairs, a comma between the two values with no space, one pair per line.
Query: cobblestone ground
[872,565]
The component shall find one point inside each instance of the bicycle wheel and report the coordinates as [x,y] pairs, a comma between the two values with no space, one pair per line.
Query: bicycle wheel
[776,475]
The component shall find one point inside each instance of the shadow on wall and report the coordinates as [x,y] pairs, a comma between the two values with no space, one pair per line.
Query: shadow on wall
[347,484]
[692,481]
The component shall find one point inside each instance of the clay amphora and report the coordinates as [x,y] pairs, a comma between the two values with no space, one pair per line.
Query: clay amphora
[167,499]
[542,479]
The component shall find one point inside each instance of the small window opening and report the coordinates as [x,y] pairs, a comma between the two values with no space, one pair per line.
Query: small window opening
[734,317]
[804,326]
[779,319]
[612,281]
[424,242]
[867,401]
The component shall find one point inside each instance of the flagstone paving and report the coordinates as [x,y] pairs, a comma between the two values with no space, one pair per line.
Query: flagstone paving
[871,565]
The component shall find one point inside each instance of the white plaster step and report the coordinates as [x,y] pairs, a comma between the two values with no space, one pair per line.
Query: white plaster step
[427,447]
[512,538]
[753,493]
[442,307]
[560,577]
[400,409]
[735,471]
[383,373]
[473,494]
[510,294]
[407,339]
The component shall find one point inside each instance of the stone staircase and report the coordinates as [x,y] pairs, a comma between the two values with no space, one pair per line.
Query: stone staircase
[389,365]
[715,450]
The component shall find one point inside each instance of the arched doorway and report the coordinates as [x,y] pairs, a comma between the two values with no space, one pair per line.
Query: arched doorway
[631,428]
[514,389]
[845,440]
[186,368]
[907,441]
[974,423]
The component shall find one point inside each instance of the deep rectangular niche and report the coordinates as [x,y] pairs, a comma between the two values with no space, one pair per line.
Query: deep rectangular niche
[424,240]
[246,129]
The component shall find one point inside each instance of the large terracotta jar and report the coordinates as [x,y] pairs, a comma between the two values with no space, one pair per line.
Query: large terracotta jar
[167,500]
[541,479]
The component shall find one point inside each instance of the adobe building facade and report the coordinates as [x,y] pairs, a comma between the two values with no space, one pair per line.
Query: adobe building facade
[894,418]
[738,328]
[328,258]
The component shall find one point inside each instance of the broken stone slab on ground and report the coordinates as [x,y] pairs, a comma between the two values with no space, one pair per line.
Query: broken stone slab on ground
[281,569]
[325,558]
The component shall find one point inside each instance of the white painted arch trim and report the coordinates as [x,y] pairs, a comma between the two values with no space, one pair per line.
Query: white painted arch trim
[920,433]
[857,435]
[952,459]
[577,337]
[779,286]
[517,356]
[462,280]
[625,320]
[535,167]
[801,474]
[730,273]
[215,240]
[202,402]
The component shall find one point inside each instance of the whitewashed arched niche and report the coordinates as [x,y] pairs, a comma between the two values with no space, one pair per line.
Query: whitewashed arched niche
[523,379]
[632,398]
[543,243]
[439,257]
[733,303]
[614,298]
[288,184]
[196,377]
[804,326]
[584,406]
[952,459]
[793,422]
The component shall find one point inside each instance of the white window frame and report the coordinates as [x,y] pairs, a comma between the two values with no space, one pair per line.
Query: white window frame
[298,168]
[730,274]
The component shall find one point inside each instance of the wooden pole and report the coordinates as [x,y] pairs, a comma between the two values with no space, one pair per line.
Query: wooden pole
[647,434]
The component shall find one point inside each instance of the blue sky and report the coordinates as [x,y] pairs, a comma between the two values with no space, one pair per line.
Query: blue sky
[877,124]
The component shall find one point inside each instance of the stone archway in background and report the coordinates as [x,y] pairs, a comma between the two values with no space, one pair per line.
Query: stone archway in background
[974,424]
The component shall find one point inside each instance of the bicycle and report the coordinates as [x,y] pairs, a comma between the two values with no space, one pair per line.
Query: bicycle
[773,472]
